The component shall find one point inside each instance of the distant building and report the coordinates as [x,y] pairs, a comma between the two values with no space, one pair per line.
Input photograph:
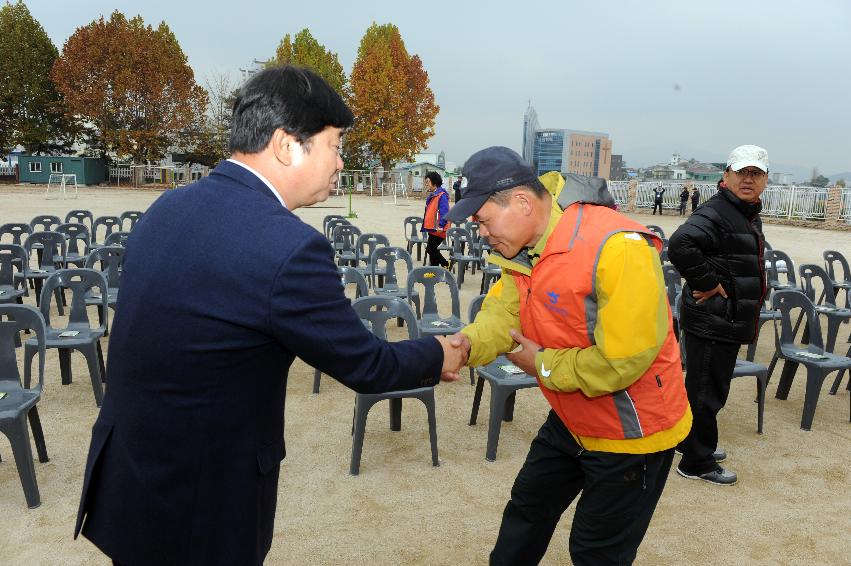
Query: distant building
[566,151]
[705,172]
[617,170]
[39,168]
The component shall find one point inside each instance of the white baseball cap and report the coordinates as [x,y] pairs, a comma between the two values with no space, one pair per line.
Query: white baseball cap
[748,156]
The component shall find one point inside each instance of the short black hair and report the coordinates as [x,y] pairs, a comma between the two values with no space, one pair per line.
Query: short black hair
[291,98]
[535,186]
[435,178]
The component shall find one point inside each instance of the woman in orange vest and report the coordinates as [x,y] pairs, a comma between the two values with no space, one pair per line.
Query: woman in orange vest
[434,218]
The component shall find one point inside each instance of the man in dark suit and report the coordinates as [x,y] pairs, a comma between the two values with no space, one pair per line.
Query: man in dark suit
[222,288]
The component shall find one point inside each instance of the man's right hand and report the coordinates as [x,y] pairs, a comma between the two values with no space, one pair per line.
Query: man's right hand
[456,351]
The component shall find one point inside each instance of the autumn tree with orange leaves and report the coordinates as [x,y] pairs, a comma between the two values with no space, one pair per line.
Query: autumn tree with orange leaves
[129,86]
[393,105]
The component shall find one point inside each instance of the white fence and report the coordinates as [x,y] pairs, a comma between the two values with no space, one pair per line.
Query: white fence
[845,206]
[620,191]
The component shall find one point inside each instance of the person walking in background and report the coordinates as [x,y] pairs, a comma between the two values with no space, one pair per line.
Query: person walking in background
[683,200]
[658,193]
[695,199]
[434,217]
[718,250]
[456,189]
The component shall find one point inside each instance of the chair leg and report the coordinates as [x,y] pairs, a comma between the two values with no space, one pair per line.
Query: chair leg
[815,379]
[101,363]
[58,293]
[317,376]
[29,354]
[771,365]
[508,416]
[477,399]
[497,412]
[37,289]
[472,377]
[38,435]
[832,332]
[396,414]
[761,385]
[362,406]
[428,400]
[751,354]
[65,365]
[786,377]
[19,438]
[90,353]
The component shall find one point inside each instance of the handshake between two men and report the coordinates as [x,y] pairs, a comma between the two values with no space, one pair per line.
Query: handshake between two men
[456,354]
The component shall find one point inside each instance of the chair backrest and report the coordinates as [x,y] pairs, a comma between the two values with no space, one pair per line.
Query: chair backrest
[412,227]
[79,281]
[13,320]
[350,275]
[785,301]
[17,230]
[132,217]
[656,230]
[45,223]
[473,228]
[13,259]
[390,255]
[110,223]
[836,264]
[459,239]
[80,216]
[773,257]
[78,233]
[107,260]
[811,274]
[429,278]
[673,282]
[378,310]
[345,237]
[117,239]
[332,225]
[53,243]
[475,307]
[368,243]
[329,218]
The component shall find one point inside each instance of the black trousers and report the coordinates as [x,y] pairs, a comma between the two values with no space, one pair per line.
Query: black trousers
[659,206]
[709,369]
[432,253]
[619,495]
[683,204]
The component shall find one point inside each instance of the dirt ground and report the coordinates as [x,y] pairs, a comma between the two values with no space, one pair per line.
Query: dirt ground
[789,507]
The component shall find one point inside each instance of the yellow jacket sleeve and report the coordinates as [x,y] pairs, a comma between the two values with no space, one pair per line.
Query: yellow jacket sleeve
[500,313]
[632,323]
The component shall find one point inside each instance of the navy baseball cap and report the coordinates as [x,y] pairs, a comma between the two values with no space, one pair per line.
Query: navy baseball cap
[489,171]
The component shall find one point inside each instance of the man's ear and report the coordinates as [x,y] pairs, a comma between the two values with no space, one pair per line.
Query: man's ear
[286,148]
[524,200]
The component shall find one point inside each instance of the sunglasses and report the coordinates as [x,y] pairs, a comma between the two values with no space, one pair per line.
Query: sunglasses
[755,174]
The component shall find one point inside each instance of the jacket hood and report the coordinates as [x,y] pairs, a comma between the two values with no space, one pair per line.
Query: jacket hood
[590,190]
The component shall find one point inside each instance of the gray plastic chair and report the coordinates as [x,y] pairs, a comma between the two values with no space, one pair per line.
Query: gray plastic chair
[760,372]
[364,247]
[87,339]
[332,224]
[388,256]
[376,312]
[462,254]
[413,235]
[345,238]
[673,288]
[504,387]
[18,231]
[130,217]
[19,404]
[78,238]
[777,263]
[490,273]
[117,239]
[656,230]
[45,223]
[81,216]
[110,224]
[818,362]
[108,260]
[328,219]
[838,270]
[826,305]
[13,265]
[430,321]
[49,246]
[348,276]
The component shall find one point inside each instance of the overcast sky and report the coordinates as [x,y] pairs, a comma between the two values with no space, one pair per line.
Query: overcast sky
[657,76]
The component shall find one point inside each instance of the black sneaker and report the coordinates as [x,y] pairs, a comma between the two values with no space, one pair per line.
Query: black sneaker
[719,455]
[718,476]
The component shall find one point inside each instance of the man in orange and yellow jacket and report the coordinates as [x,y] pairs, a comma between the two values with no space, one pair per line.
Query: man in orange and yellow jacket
[581,304]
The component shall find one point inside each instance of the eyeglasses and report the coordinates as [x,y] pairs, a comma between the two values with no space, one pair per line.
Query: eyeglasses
[755,174]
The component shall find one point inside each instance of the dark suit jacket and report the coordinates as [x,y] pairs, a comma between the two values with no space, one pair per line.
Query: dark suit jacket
[222,288]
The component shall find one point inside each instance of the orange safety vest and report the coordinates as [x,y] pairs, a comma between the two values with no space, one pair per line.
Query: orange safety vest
[432,212]
[567,272]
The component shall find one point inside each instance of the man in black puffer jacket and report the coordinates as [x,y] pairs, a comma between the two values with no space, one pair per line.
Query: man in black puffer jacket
[719,252]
